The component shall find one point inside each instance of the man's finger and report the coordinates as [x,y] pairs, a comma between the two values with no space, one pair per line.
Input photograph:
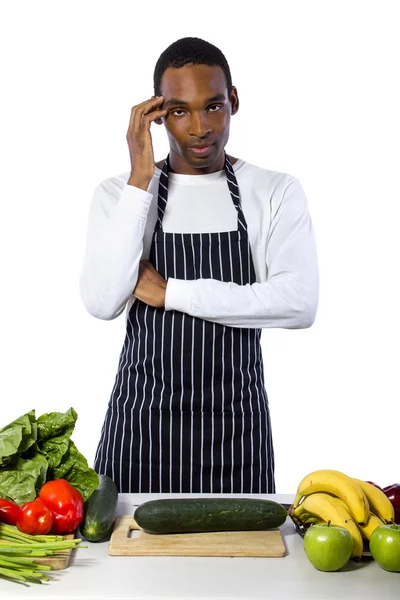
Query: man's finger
[140,109]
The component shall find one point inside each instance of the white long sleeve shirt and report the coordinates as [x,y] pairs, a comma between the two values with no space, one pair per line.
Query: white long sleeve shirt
[120,227]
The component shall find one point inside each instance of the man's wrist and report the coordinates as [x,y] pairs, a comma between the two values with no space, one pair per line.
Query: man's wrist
[179,295]
[139,181]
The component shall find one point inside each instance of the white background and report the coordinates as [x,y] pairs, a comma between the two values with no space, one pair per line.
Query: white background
[319,99]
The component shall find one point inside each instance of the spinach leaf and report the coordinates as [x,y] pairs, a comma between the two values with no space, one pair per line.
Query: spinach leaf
[54,432]
[55,424]
[74,468]
[21,479]
[17,437]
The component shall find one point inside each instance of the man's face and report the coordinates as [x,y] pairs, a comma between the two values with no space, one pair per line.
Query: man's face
[199,113]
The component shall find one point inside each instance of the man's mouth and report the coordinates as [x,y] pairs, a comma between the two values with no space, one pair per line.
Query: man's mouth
[200,150]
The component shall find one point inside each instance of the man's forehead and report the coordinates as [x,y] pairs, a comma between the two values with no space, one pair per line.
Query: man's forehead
[193,81]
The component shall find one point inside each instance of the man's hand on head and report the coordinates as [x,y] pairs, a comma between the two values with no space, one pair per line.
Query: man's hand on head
[150,286]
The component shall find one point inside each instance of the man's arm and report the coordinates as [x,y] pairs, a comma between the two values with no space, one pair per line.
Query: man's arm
[289,297]
[114,247]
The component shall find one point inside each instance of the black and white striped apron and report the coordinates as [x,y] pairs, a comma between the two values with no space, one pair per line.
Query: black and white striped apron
[189,411]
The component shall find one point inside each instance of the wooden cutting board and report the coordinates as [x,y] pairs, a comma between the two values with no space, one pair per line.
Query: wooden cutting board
[216,543]
[59,560]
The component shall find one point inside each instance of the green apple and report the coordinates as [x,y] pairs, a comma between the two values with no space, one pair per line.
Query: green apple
[328,547]
[384,546]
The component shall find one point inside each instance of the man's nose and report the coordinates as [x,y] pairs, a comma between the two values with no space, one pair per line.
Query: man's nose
[199,126]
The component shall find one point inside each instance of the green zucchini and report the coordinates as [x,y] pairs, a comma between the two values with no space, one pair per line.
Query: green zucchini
[100,511]
[186,515]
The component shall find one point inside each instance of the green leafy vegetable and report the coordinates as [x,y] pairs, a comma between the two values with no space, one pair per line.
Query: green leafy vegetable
[21,480]
[54,433]
[17,437]
[35,451]
[74,468]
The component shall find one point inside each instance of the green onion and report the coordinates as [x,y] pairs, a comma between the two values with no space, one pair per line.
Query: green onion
[17,550]
[15,533]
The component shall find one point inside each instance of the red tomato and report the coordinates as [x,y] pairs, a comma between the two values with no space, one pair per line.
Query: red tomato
[34,518]
[66,504]
[8,511]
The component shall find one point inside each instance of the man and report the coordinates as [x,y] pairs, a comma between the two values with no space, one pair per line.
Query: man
[204,250]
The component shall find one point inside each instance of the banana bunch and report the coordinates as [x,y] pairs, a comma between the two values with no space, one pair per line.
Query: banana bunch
[328,496]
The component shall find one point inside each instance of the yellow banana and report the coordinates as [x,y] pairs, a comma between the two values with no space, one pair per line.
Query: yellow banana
[302,516]
[379,504]
[338,484]
[368,529]
[373,522]
[329,508]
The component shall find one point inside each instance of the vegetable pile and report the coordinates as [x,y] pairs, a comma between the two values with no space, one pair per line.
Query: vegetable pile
[34,451]
[44,483]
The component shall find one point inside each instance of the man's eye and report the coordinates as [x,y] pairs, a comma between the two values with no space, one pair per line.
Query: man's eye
[212,108]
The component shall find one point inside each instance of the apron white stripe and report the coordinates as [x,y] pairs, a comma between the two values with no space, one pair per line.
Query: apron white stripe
[161,401]
[212,378]
[202,379]
[111,428]
[252,413]
[152,392]
[124,413]
[202,411]
[192,379]
[172,377]
[170,405]
[141,406]
[162,379]
[183,333]
[233,376]
[191,415]
[222,376]
[181,432]
[151,402]
[266,441]
[250,334]
[259,413]
[242,386]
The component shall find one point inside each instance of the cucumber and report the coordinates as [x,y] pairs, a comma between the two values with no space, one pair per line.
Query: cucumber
[187,515]
[100,511]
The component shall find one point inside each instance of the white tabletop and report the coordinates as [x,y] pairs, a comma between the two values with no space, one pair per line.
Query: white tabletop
[93,574]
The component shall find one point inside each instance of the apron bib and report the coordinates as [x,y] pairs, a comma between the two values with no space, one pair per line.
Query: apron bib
[189,410]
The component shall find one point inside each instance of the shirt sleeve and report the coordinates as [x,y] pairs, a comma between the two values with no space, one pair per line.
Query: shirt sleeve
[287,299]
[114,247]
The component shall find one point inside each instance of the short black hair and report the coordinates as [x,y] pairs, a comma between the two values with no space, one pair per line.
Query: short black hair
[190,50]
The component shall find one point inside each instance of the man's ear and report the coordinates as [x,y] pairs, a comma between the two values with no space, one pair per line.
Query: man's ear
[234,101]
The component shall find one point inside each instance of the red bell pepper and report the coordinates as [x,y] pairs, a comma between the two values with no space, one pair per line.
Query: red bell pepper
[66,504]
[34,518]
[8,511]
